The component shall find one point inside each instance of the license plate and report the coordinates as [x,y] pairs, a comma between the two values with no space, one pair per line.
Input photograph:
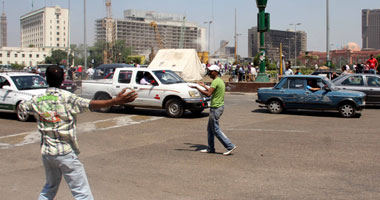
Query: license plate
[68,88]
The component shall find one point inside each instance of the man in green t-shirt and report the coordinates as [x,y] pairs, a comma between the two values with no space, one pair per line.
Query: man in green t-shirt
[217,91]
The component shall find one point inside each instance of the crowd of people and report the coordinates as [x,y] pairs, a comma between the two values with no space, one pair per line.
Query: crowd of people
[237,72]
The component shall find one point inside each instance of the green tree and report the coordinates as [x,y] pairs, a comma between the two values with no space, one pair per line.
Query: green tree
[57,57]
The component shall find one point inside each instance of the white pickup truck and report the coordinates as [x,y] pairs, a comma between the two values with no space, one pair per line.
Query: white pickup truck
[156,89]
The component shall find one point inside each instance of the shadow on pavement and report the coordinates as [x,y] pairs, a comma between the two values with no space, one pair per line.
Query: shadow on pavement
[12,116]
[311,113]
[195,147]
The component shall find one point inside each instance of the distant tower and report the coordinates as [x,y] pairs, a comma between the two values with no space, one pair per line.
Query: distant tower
[3,36]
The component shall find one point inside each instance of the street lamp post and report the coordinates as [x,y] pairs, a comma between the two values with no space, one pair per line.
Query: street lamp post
[295,42]
[327,35]
[262,27]
[208,42]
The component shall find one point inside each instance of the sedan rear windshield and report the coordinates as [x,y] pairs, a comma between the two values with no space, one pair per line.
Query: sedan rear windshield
[29,82]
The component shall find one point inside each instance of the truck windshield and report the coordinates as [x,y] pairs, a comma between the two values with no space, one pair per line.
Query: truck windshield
[29,82]
[168,77]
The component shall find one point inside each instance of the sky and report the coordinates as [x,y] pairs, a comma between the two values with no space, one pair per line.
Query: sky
[345,18]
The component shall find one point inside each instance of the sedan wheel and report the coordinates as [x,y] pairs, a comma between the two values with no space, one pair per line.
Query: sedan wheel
[347,110]
[21,115]
[274,106]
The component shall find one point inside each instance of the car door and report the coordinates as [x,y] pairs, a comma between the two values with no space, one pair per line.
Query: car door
[292,92]
[319,99]
[149,94]
[373,89]
[353,82]
[124,80]
[6,95]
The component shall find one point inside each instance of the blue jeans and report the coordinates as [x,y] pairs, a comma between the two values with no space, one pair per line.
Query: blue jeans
[372,71]
[213,129]
[72,170]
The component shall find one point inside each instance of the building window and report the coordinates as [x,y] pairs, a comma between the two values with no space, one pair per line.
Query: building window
[37,55]
[57,33]
[44,55]
[57,39]
[23,55]
[30,55]
[57,45]
[8,54]
[1,55]
[15,55]
[57,27]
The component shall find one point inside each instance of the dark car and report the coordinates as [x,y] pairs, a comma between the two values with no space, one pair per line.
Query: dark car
[68,85]
[367,83]
[312,93]
[103,71]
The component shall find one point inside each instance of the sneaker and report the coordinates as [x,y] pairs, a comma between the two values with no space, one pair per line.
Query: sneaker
[229,151]
[206,151]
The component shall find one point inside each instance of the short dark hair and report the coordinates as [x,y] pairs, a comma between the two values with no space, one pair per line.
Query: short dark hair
[54,76]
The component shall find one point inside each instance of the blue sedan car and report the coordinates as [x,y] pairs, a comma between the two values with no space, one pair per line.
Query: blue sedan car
[312,93]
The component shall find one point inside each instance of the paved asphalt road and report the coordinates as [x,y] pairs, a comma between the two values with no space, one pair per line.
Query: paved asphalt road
[145,155]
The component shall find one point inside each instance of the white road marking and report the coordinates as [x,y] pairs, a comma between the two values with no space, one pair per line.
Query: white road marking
[89,127]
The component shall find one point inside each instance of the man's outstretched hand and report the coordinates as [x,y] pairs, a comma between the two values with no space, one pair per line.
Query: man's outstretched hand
[125,97]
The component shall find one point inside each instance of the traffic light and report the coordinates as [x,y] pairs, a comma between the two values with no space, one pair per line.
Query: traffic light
[263,22]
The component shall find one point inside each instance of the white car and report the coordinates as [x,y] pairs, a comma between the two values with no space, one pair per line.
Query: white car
[16,87]
[165,90]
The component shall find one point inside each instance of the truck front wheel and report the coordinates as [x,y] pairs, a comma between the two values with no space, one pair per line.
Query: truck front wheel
[103,97]
[174,108]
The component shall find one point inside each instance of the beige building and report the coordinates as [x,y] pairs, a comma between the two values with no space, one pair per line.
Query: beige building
[23,55]
[137,29]
[46,27]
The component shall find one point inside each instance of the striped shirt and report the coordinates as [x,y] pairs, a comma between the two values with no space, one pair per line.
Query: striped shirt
[56,112]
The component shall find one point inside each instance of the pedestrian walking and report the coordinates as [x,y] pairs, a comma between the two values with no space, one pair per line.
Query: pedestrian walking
[217,91]
[90,73]
[288,70]
[56,112]
[373,64]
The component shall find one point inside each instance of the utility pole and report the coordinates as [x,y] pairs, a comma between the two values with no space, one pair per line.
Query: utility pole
[68,39]
[236,61]
[262,27]
[295,42]
[84,35]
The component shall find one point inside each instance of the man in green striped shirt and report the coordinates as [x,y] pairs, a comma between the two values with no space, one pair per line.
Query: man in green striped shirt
[56,112]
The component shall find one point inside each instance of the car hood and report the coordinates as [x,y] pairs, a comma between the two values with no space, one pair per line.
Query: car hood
[33,92]
[349,93]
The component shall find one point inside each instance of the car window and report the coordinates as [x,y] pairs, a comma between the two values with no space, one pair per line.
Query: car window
[125,77]
[3,82]
[373,81]
[296,83]
[354,81]
[29,82]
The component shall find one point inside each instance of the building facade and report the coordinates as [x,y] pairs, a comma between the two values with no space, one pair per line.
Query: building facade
[338,57]
[371,29]
[23,55]
[3,32]
[292,43]
[138,31]
[46,27]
